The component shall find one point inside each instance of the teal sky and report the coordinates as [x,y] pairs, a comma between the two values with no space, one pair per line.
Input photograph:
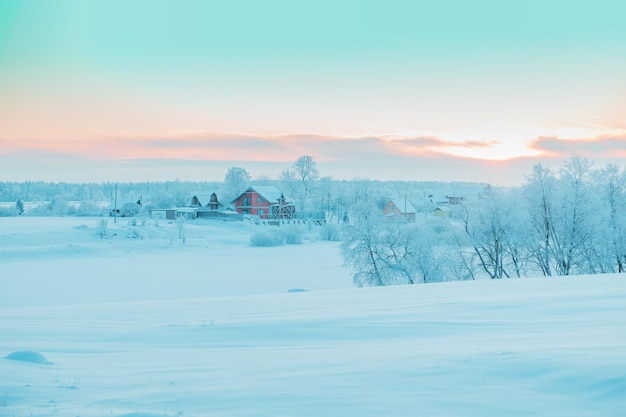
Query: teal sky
[485,79]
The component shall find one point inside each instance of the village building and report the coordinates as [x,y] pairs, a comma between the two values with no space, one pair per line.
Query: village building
[400,209]
[163,214]
[124,208]
[455,200]
[264,202]
[201,205]
[205,205]
[441,211]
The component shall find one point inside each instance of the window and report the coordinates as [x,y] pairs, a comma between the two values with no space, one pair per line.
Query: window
[261,212]
[260,200]
[246,201]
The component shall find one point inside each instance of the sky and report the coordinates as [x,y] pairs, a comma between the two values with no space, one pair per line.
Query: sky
[411,90]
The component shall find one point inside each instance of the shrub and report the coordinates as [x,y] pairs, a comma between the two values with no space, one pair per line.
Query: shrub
[8,212]
[294,235]
[101,229]
[330,232]
[267,238]
[88,208]
[134,234]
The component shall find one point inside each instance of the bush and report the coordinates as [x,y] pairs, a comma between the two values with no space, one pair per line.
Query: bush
[294,235]
[134,234]
[267,238]
[101,229]
[88,208]
[330,232]
[8,212]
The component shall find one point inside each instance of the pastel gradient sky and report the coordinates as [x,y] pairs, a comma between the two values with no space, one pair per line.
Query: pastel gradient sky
[413,90]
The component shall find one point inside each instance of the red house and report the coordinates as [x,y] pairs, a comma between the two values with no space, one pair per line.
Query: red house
[266,202]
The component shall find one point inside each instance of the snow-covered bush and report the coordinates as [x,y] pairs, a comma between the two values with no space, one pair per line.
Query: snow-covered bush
[330,232]
[88,208]
[8,212]
[101,229]
[293,235]
[134,234]
[267,238]
[180,226]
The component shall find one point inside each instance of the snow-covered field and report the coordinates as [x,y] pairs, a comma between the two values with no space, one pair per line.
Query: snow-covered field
[142,324]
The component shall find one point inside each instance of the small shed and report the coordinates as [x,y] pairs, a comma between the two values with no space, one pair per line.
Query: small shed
[163,214]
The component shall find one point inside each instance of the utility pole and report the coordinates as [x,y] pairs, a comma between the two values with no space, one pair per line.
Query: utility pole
[115,205]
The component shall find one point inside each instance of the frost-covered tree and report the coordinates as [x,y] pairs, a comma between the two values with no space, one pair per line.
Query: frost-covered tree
[383,252]
[88,208]
[611,183]
[235,182]
[488,224]
[560,211]
[430,254]
[289,182]
[539,192]
[19,207]
[305,170]
[360,249]
[299,178]
[572,228]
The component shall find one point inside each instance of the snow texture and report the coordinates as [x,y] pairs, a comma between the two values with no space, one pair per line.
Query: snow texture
[152,326]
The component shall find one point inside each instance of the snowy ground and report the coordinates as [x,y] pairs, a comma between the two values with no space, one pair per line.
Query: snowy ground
[152,326]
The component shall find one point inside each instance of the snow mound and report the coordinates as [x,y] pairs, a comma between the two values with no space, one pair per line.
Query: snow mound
[28,356]
[141,415]
[291,290]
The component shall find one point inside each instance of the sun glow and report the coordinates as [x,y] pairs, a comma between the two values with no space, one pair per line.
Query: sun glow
[503,142]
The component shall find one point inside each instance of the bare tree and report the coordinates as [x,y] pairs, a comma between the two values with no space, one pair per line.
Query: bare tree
[235,181]
[572,230]
[289,181]
[561,217]
[539,193]
[429,254]
[612,184]
[384,252]
[360,250]
[489,223]
[305,170]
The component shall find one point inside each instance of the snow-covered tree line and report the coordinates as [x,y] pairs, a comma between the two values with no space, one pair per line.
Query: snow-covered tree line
[559,222]
[562,221]
[300,181]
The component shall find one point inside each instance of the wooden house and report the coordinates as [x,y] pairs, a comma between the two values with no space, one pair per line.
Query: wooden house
[205,200]
[265,202]
[400,209]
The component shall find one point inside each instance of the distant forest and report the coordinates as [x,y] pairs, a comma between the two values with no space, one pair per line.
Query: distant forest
[324,193]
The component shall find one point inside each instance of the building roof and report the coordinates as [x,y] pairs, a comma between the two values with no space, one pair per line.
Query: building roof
[404,206]
[122,203]
[268,192]
[203,197]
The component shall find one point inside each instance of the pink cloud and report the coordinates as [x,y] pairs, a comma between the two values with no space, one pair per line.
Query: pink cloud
[599,147]
[235,147]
